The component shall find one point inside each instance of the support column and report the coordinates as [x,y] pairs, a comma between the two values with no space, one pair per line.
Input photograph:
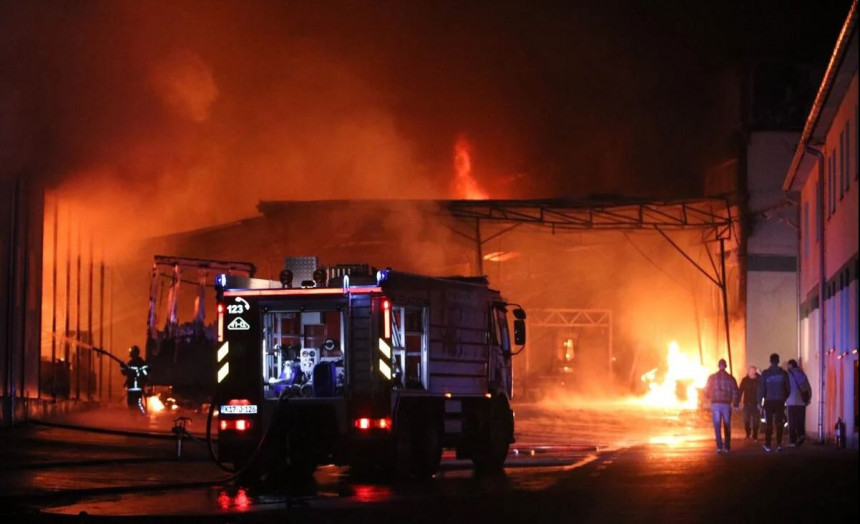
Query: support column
[724,292]
[479,248]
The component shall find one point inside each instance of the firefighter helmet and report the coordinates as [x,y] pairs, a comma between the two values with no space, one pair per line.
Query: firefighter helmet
[134,351]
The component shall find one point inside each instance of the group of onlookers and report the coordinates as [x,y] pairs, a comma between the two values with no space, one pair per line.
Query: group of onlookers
[770,393]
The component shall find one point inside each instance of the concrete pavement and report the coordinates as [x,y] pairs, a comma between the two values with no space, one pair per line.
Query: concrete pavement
[668,473]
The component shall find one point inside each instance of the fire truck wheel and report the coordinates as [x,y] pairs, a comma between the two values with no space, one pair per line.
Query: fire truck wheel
[418,440]
[492,448]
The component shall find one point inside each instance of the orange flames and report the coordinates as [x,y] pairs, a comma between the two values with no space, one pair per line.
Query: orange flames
[680,386]
[465,185]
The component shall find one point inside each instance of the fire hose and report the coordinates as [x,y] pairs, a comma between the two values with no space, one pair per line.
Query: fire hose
[255,456]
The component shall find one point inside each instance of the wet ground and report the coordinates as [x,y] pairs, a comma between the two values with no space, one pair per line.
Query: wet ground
[606,462]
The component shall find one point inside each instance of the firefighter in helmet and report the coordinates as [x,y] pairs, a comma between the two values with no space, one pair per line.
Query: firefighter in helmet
[136,373]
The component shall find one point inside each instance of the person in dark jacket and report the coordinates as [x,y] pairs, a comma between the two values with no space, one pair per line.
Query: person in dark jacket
[749,397]
[773,390]
[722,390]
[796,403]
[136,373]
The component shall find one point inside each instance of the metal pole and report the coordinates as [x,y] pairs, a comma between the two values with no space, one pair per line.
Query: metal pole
[78,321]
[611,356]
[101,325]
[92,363]
[110,333]
[822,297]
[479,247]
[67,357]
[724,290]
[55,255]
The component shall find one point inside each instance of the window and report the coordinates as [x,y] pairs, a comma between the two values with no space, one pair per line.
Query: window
[831,188]
[805,230]
[841,160]
[818,211]
[856,142]
[848,156]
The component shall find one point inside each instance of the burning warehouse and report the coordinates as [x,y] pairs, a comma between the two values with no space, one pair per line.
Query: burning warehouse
[612,297]
[328,133]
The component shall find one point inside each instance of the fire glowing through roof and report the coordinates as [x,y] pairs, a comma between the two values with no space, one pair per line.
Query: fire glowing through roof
[465,185]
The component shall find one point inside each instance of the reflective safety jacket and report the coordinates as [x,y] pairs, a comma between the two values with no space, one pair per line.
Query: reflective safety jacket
[136,373]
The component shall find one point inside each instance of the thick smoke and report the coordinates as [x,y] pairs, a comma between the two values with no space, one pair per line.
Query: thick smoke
[173,115]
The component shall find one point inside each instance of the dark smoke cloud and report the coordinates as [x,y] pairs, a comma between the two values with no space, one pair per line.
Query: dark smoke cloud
[187,113]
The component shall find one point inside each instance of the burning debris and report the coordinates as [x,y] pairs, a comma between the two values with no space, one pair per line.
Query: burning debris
[681,383]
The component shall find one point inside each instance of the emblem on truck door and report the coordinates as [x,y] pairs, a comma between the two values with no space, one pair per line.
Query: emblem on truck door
[238,324]
[240,307]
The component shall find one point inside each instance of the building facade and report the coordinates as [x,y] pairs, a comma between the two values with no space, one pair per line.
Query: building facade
[771,248]
[823,178]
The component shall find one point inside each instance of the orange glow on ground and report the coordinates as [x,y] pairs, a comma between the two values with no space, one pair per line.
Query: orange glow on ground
[684,374]
[465,185]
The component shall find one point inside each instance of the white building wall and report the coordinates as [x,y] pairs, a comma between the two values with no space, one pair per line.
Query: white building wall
[771,280]
[840,196]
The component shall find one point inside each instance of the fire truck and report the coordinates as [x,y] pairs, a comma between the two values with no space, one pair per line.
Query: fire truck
[363,367]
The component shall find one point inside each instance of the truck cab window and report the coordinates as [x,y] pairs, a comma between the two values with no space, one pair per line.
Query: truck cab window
[500,329]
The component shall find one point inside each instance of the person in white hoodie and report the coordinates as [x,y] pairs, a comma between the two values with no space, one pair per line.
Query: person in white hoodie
[798,399]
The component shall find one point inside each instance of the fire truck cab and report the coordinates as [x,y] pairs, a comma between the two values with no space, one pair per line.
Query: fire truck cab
[364,367]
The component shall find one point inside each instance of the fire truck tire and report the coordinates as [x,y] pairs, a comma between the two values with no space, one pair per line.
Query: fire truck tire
[418,440]
[495,439]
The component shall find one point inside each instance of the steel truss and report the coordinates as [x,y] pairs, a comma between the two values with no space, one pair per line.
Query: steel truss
[570,317]
[713,216]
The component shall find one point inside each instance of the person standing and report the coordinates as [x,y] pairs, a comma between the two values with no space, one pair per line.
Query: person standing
[136,373]
[749,397]
[722,390]
[773,390]
[798,399]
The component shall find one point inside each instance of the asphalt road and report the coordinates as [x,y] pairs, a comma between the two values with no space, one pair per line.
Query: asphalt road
[604,462]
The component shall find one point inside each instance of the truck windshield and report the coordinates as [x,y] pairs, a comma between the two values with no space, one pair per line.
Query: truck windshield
[303,353]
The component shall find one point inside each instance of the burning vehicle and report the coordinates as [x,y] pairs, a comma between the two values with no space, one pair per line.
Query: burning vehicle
[181,354]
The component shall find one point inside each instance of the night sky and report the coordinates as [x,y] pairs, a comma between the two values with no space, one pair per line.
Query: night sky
[556,98]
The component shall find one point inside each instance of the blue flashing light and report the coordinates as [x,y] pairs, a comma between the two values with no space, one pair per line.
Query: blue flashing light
[221,281]
[381,276]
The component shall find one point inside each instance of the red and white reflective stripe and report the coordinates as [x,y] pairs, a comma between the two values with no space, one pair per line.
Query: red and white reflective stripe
[220,322]
[386,318]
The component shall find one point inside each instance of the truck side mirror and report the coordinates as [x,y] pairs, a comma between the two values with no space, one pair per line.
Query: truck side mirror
[520,332]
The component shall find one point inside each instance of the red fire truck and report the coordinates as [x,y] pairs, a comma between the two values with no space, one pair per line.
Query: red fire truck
[363,367]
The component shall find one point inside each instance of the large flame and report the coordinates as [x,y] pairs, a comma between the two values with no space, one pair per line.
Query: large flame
[680,386]
[465,185]
[154,404]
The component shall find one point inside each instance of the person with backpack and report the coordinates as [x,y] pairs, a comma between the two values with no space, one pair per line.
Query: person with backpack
[798,398]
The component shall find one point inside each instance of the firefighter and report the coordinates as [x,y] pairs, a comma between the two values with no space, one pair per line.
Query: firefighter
[136,372]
